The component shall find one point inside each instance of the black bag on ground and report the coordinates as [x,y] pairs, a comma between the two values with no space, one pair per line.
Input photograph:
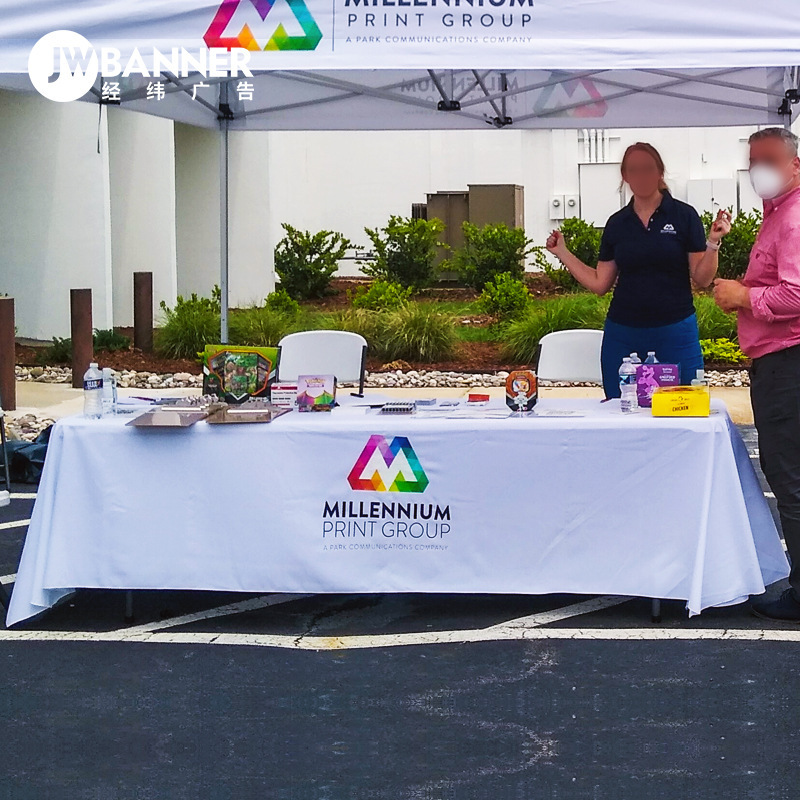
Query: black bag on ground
[26,459]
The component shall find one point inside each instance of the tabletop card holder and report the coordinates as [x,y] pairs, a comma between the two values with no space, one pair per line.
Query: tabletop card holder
[522,390]
[650,377]
[316,392]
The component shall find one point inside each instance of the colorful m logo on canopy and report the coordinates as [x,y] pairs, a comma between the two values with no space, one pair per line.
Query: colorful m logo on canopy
[388,467]
[216,36]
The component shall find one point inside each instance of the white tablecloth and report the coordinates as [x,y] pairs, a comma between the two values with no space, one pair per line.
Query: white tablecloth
[605,503]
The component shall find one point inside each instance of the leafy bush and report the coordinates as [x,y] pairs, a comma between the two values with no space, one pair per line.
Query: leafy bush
[557,273]
[734,254]
[712,321]
[504,296]
[305,262]
[381,296]
[583,239]
[260,326]
[369,324]
[582,311]
[489,251]
[721,351]
[282,302]
[418,332]
[187,328]
[110,341]
[405,251]
[59,352]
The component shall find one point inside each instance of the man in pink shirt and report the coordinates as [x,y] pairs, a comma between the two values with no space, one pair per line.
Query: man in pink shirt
[768,303]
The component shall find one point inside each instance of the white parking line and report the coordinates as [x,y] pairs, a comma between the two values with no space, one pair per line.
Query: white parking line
[8,578]
[406,639]
[17,523]
[220,611]
[770,495]
[23,495]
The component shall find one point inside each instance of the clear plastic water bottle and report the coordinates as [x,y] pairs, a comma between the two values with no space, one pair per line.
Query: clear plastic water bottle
[700,379]
[93,392]
[651,357]
[635,360]
[109,392]
[627,386]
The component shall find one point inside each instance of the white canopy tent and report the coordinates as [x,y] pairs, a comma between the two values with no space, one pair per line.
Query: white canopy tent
[415,64]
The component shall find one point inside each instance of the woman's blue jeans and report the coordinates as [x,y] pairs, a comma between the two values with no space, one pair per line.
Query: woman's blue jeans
[678,343]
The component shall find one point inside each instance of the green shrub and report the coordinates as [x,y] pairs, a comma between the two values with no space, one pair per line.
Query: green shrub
[582,311]
[59,352]
[489,251]
[381,296]
[734,254]
[369,324]
[187,328]
[721,351]
[557,273]
[712,321]
[583,239]
[282,302]
[259,326]
[504,296]
[404,251]
[305,262]
[110,341]
[418,332]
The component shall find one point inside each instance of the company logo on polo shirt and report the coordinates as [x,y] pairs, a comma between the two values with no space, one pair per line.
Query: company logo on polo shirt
[388,467]
[668,228]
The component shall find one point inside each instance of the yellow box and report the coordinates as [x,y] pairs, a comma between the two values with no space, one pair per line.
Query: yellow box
[681,401]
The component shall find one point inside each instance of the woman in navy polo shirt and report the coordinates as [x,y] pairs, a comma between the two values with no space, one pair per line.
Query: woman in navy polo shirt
[652,249]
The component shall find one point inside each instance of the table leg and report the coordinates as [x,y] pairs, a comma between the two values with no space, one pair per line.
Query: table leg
[128,606]
[5,452]
[655,611]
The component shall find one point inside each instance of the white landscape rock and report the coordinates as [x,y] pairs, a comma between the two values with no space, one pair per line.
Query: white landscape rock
[420,379]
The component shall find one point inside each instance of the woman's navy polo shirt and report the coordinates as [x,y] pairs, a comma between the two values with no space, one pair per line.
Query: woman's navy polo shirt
[654,282]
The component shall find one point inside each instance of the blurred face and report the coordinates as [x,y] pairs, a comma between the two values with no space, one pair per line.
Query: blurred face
[774,169]
[642,174]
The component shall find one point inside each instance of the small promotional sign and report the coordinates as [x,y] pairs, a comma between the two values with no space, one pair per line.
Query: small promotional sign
[316,392]
[521,390]
[650,377]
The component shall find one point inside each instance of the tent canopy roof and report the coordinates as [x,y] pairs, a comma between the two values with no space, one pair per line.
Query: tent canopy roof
[422,64]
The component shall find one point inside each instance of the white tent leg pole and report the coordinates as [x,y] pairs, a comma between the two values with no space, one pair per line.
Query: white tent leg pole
[223,220]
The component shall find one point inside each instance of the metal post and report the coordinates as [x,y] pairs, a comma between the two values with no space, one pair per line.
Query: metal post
[655,611]
[143,311]
[128,606]
[80,306]
[8,384]
[224,117]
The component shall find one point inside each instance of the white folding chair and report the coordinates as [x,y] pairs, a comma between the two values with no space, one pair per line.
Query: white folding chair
[570,356]
[339,353]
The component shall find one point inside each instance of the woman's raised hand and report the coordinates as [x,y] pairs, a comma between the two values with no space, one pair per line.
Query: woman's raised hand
[557,245]
[721,226]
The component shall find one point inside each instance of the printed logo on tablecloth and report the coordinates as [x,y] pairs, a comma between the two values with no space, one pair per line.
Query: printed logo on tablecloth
[388,467]
[234,23]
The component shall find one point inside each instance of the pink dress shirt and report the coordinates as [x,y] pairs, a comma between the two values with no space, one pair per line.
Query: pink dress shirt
[773,277]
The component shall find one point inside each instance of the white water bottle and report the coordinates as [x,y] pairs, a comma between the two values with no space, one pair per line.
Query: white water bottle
[109,392]
[93,392]
[629,402]
[635,360]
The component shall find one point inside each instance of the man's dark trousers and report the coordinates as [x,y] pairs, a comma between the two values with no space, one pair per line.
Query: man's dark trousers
[775,395]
